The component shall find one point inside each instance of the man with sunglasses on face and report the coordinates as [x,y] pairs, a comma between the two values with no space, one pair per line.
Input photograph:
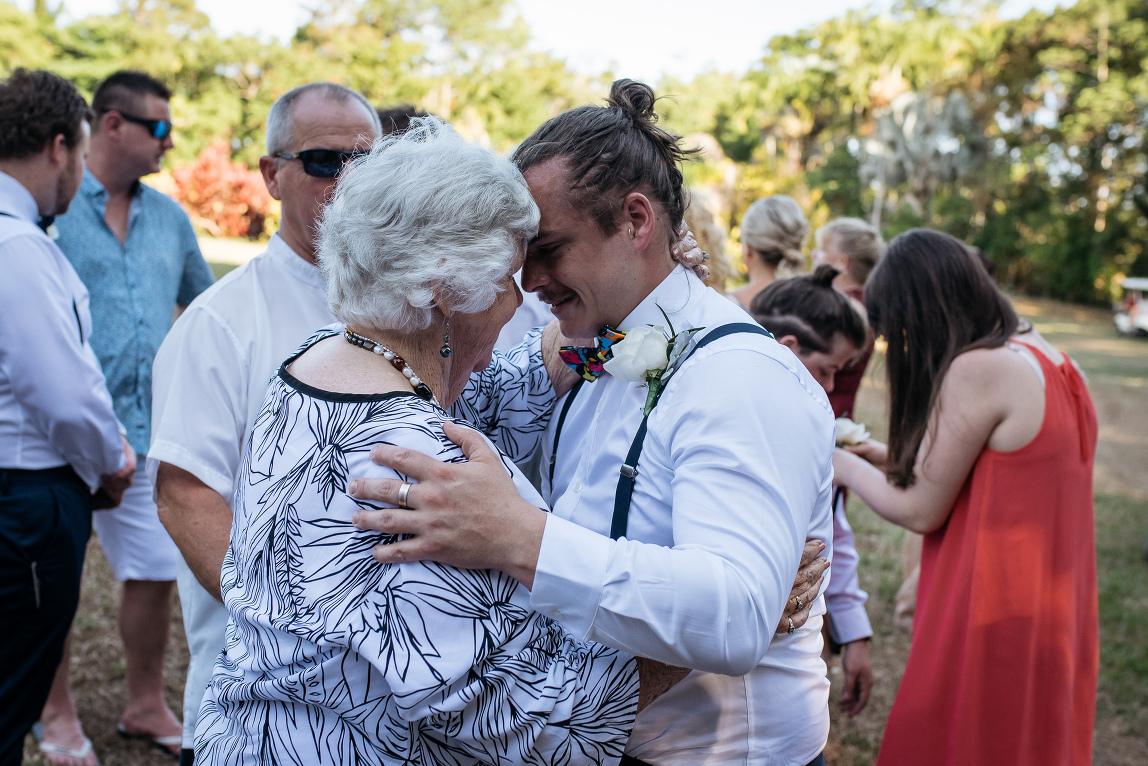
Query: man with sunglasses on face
[211,373]
[136,252]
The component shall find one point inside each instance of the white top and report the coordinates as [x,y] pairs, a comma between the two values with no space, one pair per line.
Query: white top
[211,372]
[54,404]
[735,474]
[334,658]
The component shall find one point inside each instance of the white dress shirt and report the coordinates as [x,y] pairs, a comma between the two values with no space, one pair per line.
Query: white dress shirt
[54,404]
[735,474]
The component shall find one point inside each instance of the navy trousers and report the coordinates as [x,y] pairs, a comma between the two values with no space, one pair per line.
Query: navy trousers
[45,523]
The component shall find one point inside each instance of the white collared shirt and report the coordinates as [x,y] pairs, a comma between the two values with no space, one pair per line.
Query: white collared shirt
[54,404]
[735,474]
[211,373]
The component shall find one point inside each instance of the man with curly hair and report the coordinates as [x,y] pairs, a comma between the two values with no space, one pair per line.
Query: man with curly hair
[60,441]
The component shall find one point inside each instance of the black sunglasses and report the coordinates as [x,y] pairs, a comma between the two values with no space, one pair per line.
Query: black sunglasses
[323,163]
[160,129]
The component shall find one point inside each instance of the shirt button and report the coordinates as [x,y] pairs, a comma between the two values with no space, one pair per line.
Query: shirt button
[558,614]
[577,486]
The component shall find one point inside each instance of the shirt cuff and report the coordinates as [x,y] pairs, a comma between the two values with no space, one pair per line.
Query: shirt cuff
[569,576]
[849,623]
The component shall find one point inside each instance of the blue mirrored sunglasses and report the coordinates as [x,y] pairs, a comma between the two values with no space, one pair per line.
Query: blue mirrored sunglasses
[160,129]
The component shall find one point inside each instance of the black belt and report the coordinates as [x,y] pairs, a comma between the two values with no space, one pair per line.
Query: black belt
[39,476]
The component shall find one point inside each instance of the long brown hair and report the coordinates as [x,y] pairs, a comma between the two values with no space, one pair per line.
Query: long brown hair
[611,151]
[932,301]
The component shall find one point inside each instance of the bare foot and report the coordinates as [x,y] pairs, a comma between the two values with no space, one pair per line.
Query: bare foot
[65,732]
[153,722]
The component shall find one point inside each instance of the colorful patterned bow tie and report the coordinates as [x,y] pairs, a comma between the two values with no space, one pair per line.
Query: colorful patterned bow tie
[587,361]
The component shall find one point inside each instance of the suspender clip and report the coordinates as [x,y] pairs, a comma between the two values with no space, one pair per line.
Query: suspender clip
[628,471]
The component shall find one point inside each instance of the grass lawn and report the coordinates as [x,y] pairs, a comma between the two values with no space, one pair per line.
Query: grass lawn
[1118,378]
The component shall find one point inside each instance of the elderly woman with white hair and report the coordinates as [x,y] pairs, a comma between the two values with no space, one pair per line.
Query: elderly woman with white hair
[332,657]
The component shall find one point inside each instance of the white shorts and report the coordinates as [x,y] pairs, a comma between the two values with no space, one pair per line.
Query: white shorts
[134,541]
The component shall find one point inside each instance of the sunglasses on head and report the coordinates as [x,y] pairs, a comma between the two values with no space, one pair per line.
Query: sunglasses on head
[322,163]
[160,129]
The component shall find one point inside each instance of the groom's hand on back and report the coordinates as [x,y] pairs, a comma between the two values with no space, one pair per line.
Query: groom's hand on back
[469,515]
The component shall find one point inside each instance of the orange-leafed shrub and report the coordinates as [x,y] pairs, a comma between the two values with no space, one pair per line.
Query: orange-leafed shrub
[224,198]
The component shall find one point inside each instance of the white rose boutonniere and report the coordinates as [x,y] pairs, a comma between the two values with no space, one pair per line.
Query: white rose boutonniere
[849,433]
[649,355]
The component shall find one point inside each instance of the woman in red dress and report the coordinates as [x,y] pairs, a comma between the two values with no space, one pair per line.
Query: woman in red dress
[991,440]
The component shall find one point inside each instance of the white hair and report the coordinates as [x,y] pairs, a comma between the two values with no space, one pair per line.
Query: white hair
[426,219]
[280,118]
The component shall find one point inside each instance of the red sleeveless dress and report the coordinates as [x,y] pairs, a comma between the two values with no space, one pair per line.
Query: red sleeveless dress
[1005,649]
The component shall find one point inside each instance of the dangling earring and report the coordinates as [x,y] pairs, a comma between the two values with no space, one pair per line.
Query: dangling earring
[445,350]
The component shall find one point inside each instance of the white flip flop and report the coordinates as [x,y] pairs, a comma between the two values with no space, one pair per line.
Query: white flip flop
[47,748]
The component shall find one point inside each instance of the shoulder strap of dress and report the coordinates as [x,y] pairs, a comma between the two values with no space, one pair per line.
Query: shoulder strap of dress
[624,493]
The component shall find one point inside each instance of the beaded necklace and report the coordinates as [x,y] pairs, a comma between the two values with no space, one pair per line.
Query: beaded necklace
[400,364]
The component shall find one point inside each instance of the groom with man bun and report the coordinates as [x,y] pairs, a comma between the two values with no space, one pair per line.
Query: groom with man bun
[674,536]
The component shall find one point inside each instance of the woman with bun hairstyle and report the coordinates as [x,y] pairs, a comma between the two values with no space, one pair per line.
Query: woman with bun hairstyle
[992,435]
[827,333]
[773,231]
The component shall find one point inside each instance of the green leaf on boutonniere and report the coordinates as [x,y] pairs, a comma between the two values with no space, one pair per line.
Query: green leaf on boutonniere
[655,384]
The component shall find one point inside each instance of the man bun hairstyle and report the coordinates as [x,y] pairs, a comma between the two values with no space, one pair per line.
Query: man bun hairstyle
[810,309]
[611,151]
[775,228]
[35,107]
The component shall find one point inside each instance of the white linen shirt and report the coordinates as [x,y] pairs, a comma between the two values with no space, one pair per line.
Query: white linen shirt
[214,365]
[736,472]
[54,404]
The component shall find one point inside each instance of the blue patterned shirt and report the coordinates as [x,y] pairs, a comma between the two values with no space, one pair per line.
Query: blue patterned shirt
[134,288]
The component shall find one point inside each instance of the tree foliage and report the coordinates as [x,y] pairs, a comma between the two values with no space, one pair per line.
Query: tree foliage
[1025,137]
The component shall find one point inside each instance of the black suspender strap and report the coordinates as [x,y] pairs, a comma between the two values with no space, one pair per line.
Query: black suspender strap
[558,429]
[629,470]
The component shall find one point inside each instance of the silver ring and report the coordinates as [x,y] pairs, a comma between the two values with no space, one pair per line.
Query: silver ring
[791,627]
[798,600]
[705,256]
[403,490]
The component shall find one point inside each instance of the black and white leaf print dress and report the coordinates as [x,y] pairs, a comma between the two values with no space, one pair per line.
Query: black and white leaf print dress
[333,658]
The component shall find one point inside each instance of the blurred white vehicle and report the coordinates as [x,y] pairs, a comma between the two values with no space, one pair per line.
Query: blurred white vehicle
[1132,313]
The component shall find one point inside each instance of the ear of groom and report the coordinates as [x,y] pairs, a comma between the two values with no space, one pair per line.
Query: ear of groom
[590,277]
